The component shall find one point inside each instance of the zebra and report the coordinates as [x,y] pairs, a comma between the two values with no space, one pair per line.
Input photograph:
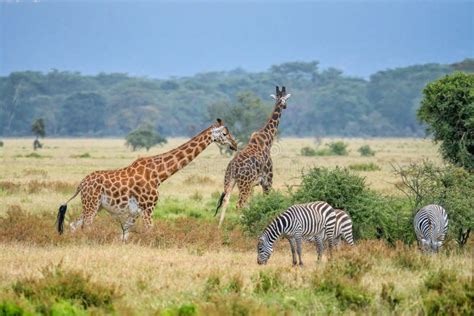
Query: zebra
[297,222]
[431,226]
[343,228]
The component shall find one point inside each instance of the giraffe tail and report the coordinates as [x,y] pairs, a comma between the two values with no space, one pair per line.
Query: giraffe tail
[219,204]
[62,213]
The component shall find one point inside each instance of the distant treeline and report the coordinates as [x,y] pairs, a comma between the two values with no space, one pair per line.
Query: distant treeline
[324,102]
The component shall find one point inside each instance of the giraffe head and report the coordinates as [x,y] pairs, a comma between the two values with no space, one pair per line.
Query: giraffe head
[281,97]
[221,135]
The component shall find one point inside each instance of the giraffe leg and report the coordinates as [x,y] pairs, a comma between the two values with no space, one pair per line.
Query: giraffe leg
[225,202]
[245,190]
[90,207]
[267,178]
[148,206]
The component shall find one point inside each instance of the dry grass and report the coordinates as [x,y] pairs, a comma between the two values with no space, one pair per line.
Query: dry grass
[184,264]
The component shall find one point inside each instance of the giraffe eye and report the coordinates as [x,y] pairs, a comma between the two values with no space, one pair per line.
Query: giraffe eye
[225,134]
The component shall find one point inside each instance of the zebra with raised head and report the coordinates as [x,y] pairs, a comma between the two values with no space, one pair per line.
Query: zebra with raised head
[298,222]
[342,229]
[431,226]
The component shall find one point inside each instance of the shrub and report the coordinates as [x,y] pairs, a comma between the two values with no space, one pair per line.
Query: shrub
[84,155]
[338,148]
[308,152]
[449,186]
[366,151]
[9,308]
[445,293]
[1,143]
[268,282]
[261,210]
[58,284]
[373,215]
[34,155]
[364,167]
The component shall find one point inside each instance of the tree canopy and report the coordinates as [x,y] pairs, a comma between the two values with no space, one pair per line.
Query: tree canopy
[325,102]
[448,110]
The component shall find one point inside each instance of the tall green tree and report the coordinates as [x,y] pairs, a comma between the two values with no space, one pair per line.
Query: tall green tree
[84,113]
[448,110]
[38,129]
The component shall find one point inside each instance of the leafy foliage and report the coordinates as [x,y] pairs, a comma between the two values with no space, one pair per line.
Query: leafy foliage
[366,151]
[262,209]
[449,186]
[374,215]
[144,137]
[448,109]
[326,102]
[38,129]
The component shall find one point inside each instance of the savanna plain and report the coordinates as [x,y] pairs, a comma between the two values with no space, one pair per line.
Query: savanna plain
[184,265]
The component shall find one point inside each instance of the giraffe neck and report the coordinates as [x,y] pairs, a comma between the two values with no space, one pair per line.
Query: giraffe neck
[268,131]
[174,160]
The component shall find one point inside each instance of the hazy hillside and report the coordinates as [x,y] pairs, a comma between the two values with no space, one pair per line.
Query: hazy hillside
[324,102]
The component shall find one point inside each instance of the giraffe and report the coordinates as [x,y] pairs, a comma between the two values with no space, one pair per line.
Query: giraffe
[128,192]
[253,164]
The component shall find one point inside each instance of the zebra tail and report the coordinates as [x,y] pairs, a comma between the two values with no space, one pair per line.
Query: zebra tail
[219,204]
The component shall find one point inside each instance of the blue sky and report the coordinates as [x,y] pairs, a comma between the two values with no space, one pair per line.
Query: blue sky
[162,39]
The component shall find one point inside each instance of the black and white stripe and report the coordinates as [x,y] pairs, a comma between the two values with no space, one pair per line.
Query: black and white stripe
[431,226]
[342,229]
[298,222]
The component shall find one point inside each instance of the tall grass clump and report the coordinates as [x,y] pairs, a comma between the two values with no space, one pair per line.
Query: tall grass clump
[444,292]
[364,167]
[262,209]
[60,285]
[373,214]
[366,151]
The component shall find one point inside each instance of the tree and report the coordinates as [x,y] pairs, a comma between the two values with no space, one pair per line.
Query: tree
[84,113]
[38,129]
[448,110]
[244,117]
[144,137]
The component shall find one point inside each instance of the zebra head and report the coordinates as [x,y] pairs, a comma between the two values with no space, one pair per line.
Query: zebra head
[430,245]
[264,250]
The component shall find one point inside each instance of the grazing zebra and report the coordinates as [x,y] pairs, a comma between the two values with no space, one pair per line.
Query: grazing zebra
[298,222]
[343,228]
[431,226]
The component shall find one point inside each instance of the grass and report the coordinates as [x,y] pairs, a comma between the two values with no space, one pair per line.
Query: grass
[184,265]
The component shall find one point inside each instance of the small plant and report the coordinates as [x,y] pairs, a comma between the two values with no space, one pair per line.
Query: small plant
[34,155]
[446,293]
[389,295]
[366,151]
[268,282]
[84,155]
[364,167]
[235,284]
[308,152]
[338,148]
[58,284]
[1,143]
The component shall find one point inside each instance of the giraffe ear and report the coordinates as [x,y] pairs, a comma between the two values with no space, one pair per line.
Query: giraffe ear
[219,121]
[283,90]
[278,93]
[286,97]
[273,96]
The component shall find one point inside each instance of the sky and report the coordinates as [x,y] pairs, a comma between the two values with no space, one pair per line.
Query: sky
[163,39]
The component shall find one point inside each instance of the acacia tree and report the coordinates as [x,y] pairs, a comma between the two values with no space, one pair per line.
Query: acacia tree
[448,110]
[144,137]
[38,129]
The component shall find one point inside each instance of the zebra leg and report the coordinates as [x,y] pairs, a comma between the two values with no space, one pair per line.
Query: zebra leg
[298,249]
[292,242]
[319,246]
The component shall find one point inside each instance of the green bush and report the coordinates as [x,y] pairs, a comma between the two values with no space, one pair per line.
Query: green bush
[364,167]
[1,143]
[268,282]
[338,148]
[373,215]
[261,210]
[9,308]
[451,187]
[366,151]
[446,293]
[308,152]
[61,285]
